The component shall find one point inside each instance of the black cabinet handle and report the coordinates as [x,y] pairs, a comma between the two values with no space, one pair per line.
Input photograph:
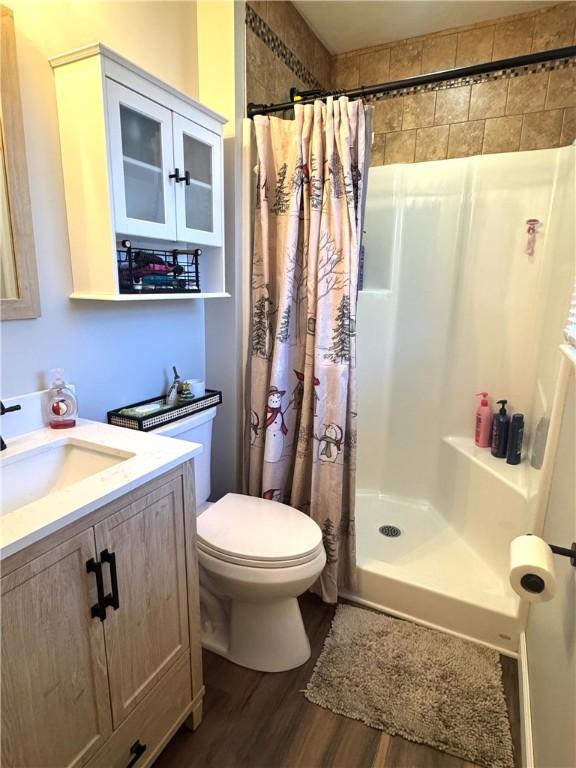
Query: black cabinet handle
[99,609]
[137,750]
[176,176]
[112,599]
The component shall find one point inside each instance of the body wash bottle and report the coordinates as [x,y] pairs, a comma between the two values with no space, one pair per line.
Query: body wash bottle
[483,421]
[61,403]
[500,427]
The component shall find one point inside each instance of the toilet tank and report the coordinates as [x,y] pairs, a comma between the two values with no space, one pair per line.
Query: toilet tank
[198,429]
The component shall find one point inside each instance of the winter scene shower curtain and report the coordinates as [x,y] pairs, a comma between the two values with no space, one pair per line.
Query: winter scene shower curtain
[311,184]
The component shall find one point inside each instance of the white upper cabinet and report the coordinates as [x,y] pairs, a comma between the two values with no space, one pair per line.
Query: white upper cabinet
[197,157]
[142,162]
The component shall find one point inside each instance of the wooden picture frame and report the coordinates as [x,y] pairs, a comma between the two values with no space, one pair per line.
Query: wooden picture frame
[12,144]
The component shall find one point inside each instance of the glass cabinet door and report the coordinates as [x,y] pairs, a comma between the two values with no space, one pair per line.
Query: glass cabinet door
[142,163]
[198,158]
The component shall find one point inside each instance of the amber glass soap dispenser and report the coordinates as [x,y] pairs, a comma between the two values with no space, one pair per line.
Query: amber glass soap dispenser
[61,404]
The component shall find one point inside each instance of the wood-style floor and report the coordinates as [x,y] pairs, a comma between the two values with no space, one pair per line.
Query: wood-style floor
[257,720]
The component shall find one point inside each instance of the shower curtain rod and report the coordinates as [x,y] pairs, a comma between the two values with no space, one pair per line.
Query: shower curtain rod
[308,97]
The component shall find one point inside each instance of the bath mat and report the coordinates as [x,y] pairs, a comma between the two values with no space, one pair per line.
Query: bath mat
[415,682]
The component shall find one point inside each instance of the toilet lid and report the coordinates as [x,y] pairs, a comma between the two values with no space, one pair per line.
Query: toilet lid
[247,528]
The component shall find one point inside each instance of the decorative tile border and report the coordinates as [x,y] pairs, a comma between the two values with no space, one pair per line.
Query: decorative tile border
[502,74]
[257,25]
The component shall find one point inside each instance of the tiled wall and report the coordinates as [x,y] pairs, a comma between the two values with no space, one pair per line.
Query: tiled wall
[282,52]
[503,114]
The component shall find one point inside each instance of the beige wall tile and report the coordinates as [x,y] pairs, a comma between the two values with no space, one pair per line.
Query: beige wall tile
[475,46]
[284,80]
[279,17]
[400,147]
[568,134]
[431,143]
[502,134]
[260,6]
[439,52]
[418,110]
[256,93]
[452,105]
[285,20]
[388,115]
[541,130]
[377,153]
[405,60]
[346,72]
[260,62]
[466,139]
[527,93]
[513,38]
[488,99]
[375,67]
[555,27]
[561,89]
[322,69]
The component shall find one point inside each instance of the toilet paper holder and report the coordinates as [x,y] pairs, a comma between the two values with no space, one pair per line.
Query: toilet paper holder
[565,552]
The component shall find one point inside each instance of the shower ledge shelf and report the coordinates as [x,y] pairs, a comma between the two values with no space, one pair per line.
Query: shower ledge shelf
[519,477]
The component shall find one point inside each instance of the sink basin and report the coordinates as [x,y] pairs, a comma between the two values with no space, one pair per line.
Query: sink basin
[39,472]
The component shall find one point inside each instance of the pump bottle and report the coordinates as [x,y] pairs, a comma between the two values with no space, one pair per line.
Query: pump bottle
[500,427]
[483,421]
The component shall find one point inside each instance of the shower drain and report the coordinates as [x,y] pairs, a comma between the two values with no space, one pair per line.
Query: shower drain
[390,530]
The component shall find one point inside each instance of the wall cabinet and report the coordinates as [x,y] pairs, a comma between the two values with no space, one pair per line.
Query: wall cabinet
[101,637]
[142,161]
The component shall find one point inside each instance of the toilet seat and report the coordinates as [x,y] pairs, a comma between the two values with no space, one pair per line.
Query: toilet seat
[258,533]
[248,562]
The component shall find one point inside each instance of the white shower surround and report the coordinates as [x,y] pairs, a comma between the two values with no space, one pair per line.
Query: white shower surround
[453,305]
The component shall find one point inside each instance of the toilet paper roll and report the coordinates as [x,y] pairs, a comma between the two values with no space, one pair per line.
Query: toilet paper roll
[532,573]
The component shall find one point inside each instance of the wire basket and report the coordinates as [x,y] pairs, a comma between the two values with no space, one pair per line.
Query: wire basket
[151,270]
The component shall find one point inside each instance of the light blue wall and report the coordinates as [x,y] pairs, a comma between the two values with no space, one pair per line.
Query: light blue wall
[114,353]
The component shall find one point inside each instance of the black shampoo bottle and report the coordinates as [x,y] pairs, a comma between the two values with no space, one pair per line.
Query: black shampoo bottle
[500,425]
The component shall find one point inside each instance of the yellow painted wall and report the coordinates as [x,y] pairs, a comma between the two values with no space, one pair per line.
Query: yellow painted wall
[159,35]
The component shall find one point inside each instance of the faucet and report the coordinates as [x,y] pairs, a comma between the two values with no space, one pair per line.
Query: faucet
[4,410]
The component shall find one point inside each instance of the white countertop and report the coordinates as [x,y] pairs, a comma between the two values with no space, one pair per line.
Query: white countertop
[153,455]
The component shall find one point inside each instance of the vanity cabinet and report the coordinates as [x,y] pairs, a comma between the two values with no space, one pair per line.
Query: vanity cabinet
[101,655]
[141,161]
[55,707]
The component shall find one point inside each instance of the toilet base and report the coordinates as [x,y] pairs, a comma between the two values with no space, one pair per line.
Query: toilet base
[268,637]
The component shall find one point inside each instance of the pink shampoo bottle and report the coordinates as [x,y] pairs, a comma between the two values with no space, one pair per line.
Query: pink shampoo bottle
[483,422]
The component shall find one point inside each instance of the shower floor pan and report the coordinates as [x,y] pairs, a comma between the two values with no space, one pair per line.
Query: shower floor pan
[419,568]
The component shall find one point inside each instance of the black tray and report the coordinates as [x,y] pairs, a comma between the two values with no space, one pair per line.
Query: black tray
[167,414]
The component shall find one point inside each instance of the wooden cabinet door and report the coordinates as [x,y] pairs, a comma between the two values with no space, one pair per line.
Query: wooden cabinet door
[149,630]
[142,161]
[55,705]
[199,199]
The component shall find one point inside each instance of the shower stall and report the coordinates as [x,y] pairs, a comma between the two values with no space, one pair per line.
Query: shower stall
[461,294]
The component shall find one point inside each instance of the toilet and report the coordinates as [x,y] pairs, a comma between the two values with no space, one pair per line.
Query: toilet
[256,556]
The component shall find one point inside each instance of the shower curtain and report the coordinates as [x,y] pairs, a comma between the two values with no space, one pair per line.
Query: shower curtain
[311,187]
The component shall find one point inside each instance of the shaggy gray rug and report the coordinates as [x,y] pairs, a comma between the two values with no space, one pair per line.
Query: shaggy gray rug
[415,682]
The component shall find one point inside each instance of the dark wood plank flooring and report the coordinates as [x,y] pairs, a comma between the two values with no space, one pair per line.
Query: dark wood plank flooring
[257,720]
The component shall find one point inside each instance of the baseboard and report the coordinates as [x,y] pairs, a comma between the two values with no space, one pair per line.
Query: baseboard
[525,709]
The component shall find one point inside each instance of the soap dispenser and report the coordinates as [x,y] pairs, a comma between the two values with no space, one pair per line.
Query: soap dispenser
[61,403]
[500,426]
[483,421]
